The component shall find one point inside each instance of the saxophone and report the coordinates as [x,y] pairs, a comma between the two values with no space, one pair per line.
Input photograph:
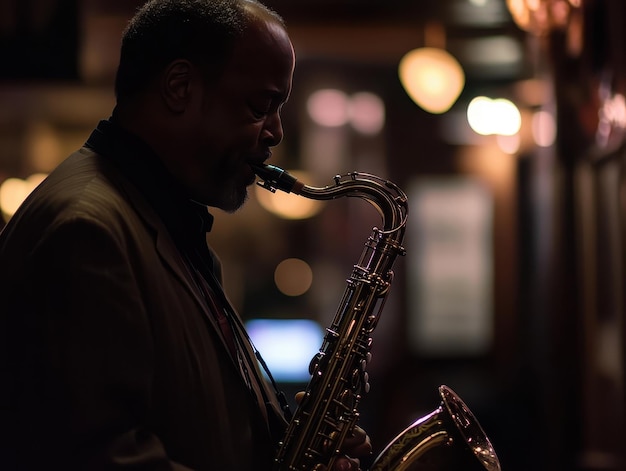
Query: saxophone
[450,437]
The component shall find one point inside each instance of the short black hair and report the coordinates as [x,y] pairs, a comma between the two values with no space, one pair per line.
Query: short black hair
[202,31]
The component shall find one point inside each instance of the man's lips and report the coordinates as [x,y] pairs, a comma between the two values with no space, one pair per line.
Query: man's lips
[258,161]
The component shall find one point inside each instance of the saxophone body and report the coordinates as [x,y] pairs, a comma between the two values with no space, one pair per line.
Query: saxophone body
[328,410]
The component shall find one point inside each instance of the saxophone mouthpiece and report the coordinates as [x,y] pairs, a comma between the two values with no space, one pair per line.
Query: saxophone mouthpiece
[274,178]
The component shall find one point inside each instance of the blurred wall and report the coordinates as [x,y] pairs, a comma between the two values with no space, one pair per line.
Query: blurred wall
[548,386]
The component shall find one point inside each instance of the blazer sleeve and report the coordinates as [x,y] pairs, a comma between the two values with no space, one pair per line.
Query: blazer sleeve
[84,341]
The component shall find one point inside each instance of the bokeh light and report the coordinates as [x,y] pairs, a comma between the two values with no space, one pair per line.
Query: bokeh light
[432,78]
[288,205]
[543,128]
[293,277]
[14,191]
[488,116]
[328,107]
[366,112]
[287,345]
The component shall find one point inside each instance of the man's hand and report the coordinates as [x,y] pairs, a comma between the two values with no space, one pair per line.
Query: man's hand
[356,445]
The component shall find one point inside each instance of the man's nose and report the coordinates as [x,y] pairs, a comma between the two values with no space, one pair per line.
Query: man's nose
[273,130]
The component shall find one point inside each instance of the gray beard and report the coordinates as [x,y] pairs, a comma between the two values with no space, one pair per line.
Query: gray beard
[234,200]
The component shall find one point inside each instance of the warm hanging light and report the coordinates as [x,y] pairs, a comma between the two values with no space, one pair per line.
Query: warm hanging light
[432,77]
[13,192]
[541,16]
[499,116]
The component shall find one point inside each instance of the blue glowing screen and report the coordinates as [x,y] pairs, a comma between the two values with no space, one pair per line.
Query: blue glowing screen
[286,345]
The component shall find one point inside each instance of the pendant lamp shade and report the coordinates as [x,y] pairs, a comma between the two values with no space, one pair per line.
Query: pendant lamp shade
[432,77]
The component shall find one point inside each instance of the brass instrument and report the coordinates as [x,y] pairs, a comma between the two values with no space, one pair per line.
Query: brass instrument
[449,438]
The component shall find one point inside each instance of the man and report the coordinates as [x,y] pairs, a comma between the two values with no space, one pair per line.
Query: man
[120,350]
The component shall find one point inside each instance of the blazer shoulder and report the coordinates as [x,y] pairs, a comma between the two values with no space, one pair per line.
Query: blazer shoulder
[85,186]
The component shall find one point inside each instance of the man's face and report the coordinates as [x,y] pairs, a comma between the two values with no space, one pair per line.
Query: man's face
[237,122]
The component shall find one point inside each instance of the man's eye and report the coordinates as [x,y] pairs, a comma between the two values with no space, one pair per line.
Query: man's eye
[260,111]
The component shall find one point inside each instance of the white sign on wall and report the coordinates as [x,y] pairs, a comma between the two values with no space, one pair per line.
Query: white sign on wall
[450,272]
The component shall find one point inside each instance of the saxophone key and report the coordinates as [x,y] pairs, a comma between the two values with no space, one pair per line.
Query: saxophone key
[366,382]
[328,444]
[360,381]
[345,403]
[314,365]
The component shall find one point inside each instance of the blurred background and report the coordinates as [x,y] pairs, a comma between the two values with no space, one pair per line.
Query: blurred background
[504,122]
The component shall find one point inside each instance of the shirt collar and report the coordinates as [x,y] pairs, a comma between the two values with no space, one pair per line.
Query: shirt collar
[185,218]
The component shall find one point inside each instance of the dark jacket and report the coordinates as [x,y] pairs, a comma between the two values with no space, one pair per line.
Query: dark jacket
[111,358]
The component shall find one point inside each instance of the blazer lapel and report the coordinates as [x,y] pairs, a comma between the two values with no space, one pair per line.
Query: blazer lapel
[173,259]
[169,253]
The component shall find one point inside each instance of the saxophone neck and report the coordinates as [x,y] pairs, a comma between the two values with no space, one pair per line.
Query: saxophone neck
[275,178]
[390,201]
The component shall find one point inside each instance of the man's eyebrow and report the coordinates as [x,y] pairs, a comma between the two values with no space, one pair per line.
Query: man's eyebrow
[274,90]
[276,94]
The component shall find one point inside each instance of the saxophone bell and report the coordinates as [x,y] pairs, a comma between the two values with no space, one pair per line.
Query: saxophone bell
[450,437]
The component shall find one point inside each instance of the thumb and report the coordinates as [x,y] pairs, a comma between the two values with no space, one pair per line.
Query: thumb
[299,396]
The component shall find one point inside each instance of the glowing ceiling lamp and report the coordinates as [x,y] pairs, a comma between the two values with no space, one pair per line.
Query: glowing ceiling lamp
[541,16]
[498,116]
[432,77]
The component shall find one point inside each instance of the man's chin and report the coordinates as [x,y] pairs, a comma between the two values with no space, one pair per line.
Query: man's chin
[229,199]
[234,201]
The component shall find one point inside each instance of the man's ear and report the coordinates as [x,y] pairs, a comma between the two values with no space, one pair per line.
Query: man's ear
[176,85]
